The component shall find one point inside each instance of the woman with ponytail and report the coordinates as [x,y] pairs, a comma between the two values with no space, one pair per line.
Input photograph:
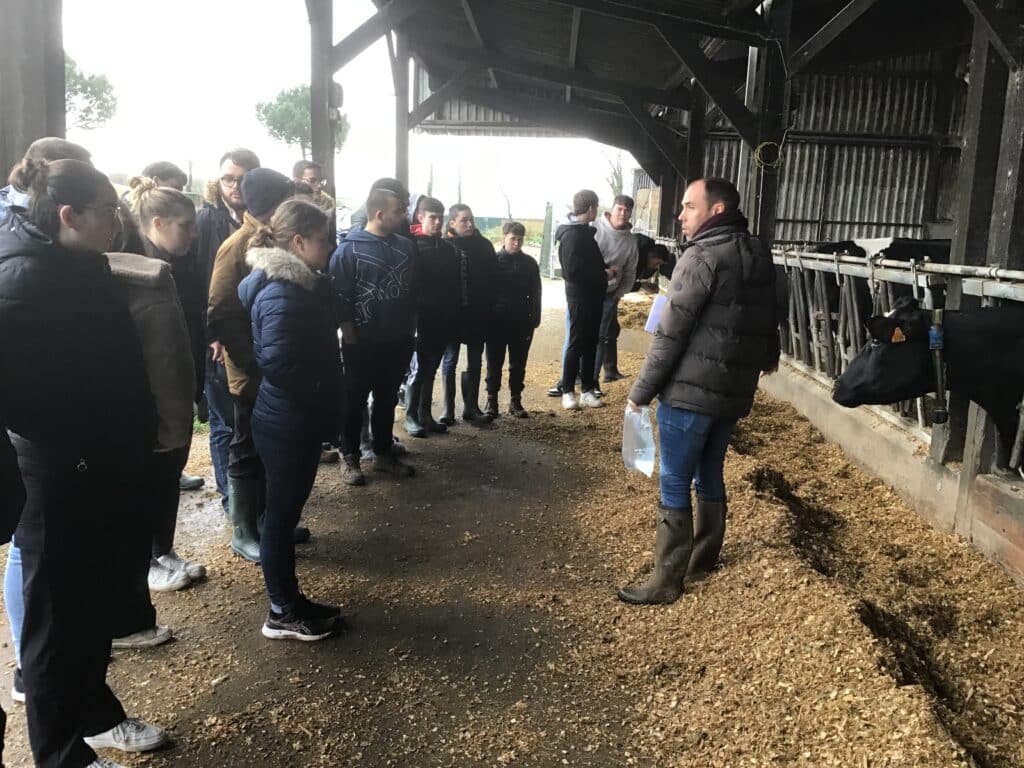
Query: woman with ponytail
[167,223]
[77,402]
[298,405]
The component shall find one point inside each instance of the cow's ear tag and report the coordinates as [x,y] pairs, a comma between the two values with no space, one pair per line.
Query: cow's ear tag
[897,336]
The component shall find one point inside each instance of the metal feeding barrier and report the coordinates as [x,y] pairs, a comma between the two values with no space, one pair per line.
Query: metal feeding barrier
[829,294]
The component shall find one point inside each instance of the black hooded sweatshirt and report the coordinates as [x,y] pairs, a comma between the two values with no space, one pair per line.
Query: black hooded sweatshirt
[582,263]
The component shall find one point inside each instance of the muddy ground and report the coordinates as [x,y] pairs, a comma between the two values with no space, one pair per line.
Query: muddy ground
[841,631]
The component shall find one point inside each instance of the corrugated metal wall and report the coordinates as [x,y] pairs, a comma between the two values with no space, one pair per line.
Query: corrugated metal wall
[859,159]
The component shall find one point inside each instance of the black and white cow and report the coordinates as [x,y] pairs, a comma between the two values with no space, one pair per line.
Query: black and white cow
[983,355]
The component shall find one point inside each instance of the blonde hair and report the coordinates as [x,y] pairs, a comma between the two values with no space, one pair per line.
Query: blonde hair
[148,200]
[293,217]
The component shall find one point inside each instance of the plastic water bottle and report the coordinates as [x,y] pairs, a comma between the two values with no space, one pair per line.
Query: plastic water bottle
[638,448]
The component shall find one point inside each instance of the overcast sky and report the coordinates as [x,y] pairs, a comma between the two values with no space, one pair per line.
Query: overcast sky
[188,75]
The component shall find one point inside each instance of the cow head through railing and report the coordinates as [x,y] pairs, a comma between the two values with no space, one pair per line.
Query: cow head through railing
[983,356]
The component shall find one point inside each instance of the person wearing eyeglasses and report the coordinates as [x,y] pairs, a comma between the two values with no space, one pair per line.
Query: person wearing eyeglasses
[220,216]
[310,173]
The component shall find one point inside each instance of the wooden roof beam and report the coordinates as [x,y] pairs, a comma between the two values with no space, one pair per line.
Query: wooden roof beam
[747,27]
[467,9]
[450,90]
[1002,28]
[366,34]
[678,98]
[574,43]
[715,86]
[825,36]
[662,137]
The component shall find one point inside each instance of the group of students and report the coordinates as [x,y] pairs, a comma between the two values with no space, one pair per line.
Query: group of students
[123,318]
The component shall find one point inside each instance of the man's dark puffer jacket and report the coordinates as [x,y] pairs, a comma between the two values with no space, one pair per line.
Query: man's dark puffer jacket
[719,328]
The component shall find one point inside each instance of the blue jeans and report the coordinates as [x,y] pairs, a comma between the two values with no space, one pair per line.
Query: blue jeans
[222,424]
[693,449]
[474,359]
[609,311]
[14,599]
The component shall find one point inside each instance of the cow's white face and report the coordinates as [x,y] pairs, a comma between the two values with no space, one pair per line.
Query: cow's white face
[896,365]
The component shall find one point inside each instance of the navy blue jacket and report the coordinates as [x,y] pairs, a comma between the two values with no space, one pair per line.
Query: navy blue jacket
[582,263]
[295,343]
[373,279]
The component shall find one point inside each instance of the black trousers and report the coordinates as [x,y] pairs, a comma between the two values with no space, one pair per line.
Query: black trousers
[432,339]
[517,341]
[164,492]
[581,351]
[379,368]
[291,463]
[243,461]
[77,544]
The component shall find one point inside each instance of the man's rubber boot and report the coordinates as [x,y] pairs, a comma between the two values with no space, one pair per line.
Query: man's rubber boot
[673,545]
[244,510]
[471,400]
[425,416]
[412,405]
[611,363]
[491,409]
[708,535]
[448,416]
[515,408]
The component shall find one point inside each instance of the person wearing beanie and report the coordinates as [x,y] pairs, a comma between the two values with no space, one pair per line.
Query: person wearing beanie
[227,321]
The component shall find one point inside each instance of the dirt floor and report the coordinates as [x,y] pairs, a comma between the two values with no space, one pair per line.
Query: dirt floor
[841,631]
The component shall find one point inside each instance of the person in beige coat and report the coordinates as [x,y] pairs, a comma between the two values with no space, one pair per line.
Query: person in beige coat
[227,322]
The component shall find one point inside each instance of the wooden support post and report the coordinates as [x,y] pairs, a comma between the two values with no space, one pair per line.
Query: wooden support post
[986,99]
[669,208]
[31,77]
[321,30]
[743,168]
[574,44]
[1006,236]
[773,119]
[695,144]
[401,77]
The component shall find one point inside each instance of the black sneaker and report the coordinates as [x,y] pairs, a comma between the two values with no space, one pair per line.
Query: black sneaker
[556,391]
[316,610]
[597,391]
[17,687]
[295,626]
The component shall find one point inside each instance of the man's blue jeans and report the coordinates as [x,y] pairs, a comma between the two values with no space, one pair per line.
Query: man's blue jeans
[222,424]
[693,449]
[14,600]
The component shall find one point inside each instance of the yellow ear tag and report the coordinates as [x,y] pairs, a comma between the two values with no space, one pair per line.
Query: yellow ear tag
[897,336]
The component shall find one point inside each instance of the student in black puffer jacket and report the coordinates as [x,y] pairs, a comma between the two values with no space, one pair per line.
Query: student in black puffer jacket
[517,310]
[76,398]
[298,404]
[716,335]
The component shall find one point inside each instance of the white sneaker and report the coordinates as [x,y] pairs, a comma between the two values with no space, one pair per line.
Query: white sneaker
[99,762]
[176,562]
[569,401]
[147,638]
[591,400]
[164,578]
[131,735]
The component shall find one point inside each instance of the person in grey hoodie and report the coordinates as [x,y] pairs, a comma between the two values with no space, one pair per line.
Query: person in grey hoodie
[620,250]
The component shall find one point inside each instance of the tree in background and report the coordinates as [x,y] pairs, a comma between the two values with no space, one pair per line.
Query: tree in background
[89,99]
[615,178]
[288,119]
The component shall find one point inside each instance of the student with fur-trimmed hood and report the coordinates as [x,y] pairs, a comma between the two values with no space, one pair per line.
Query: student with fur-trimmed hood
[298,403]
